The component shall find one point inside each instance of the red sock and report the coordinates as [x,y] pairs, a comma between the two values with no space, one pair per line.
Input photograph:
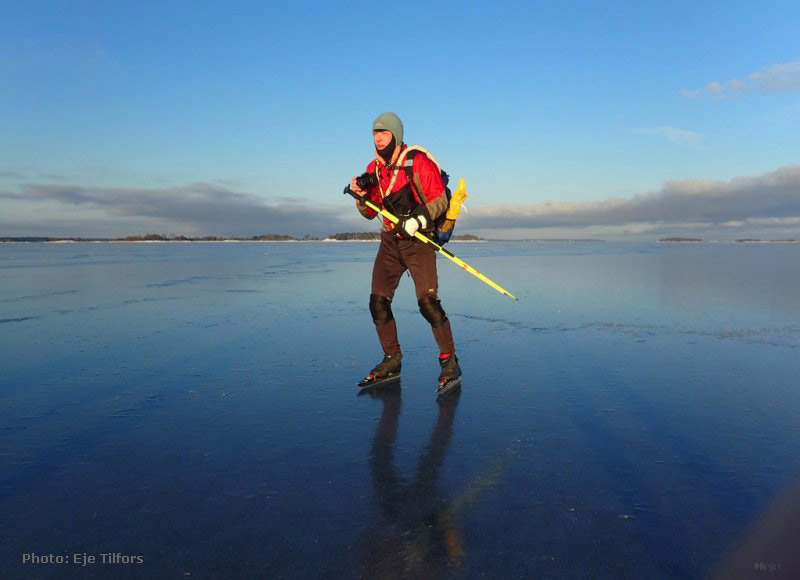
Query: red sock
[445,355]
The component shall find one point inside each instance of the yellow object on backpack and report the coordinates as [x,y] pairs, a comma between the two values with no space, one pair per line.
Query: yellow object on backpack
[458,197]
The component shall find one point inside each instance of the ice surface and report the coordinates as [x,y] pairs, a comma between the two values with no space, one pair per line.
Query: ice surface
[631,416]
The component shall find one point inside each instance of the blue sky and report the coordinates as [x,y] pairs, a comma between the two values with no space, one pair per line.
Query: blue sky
[623,120]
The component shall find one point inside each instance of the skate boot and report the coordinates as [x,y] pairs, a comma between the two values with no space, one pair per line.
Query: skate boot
[385,371]
[450,377]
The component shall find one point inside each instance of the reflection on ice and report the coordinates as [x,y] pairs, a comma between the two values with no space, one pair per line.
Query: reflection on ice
[419,535]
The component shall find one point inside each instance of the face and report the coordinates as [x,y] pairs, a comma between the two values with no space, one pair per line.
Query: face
[381,138]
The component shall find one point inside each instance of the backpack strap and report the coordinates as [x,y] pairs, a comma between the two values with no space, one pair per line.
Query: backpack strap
[412,149]
[406,162]
[413,178]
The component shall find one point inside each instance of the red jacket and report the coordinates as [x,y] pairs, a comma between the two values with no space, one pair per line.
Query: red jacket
[404,197]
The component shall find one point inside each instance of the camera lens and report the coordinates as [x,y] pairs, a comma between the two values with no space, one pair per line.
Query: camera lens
[366,180]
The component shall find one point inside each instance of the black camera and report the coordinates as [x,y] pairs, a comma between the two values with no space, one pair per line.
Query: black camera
[366,180]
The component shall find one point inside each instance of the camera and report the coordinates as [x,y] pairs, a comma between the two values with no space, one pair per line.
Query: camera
[366,180]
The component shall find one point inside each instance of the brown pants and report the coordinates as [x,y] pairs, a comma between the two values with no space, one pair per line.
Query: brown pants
[394,257]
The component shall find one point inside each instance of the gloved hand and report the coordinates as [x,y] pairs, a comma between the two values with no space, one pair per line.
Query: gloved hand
[409,225]
[355,188]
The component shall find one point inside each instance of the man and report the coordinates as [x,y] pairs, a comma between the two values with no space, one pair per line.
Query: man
[416,195]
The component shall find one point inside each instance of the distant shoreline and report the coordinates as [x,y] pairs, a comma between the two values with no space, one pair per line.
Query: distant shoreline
[220,241]
[45,240]
[158,238]
[739,241]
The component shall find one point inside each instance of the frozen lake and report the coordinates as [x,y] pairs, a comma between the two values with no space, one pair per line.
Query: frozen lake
[192,408]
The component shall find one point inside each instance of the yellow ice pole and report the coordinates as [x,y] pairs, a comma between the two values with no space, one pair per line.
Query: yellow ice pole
[439,248]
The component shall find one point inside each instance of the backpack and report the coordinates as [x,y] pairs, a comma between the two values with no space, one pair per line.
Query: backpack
[443,226]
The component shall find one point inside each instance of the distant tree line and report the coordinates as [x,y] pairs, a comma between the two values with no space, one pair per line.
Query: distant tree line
[356,236]
[467,238]
[739,241]
[174,238]
[376,236]
[48,239]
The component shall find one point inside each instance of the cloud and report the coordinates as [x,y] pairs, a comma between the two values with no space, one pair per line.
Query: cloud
[196,208]
[677,136]
[767,205]
[772,198]
[777,78]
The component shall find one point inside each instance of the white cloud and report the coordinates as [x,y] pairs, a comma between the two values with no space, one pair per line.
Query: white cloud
[192,209]
[772,199]
[674,135]
[777,78]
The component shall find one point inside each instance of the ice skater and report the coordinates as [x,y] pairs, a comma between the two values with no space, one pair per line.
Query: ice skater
[409,185]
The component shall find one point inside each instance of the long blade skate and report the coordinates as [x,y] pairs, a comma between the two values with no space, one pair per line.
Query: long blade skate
[448,386]
[371,381]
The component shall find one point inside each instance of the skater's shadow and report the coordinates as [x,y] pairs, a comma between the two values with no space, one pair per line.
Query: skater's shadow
[419,537]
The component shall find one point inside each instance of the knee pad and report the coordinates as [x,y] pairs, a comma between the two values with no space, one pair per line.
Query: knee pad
[431,309]
[381,309]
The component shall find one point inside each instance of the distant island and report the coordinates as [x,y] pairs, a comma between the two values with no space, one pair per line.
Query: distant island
[156,238]
[553,240]
[160,238]
[739,241]
[360,236]
[756,241]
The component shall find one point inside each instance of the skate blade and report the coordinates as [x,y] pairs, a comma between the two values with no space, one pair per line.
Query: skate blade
[449,386]
[372,383]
